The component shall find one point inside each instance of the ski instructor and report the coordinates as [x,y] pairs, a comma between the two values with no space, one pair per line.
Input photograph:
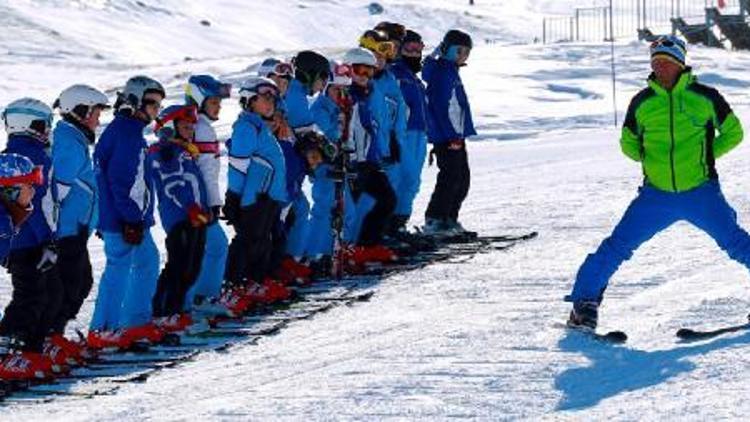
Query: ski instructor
[676,128]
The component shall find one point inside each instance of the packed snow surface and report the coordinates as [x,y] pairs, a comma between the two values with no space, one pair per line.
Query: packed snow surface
[477,340]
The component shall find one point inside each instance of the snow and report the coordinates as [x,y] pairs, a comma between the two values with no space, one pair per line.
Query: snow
[479,340]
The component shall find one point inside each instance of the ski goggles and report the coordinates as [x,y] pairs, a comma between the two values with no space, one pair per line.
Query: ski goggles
[342,70]
[412,48]
[269,93]
[667,43]
[223,91]
[386,49]
[284,70]
[363,70]
[36,177]
[187,114]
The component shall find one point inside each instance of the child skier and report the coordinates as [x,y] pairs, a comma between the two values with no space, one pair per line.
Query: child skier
[332,112]
[385,50]
[184,212]
[206,93]
[371,145]
[123,312]
[677,148]
[37,290]
[256,188]
[414,150]
[73,174]
[449,124]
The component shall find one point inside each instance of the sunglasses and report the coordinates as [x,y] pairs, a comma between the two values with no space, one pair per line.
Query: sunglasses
[363,70]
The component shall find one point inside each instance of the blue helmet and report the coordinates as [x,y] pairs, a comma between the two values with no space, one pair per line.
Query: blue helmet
[16,169]
[201,87]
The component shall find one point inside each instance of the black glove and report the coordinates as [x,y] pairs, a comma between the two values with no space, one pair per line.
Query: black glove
[231,208]
[49,257]
[132,233]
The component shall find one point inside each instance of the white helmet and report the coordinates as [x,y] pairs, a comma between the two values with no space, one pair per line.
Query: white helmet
[80,100]
[28,116]
[252,87]
[361,56]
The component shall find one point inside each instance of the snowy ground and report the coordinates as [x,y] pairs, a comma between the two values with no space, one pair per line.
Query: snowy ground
[479,340]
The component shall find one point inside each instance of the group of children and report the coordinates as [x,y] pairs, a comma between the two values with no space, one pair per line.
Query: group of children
[357,128]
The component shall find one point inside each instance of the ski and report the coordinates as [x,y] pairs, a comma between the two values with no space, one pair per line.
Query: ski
[689,334]
[610,337]
[613,337]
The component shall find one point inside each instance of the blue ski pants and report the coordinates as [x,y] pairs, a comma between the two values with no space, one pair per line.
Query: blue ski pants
[652,211]
[211,275]
[128,283]
[296,240]
[320,241]
[413,155]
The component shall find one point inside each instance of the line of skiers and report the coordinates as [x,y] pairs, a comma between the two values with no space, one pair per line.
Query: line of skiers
[357,128]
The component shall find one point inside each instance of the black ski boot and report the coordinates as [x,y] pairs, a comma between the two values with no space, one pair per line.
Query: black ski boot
[584,315]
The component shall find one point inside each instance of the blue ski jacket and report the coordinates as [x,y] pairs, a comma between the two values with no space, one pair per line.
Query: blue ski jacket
[7,232]
[295,170]
[415,96]
[368,131]
[448,111]
[40,226]
[326,113]
[73,175]
[297,106]
[178,181]
[123,181]
[387,86]
[256,161]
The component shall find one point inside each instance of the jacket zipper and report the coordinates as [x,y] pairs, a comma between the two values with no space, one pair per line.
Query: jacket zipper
[671,134]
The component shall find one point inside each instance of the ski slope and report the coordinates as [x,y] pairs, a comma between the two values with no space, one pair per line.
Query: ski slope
[478,340]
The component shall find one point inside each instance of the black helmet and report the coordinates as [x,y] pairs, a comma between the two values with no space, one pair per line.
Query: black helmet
[456,37]
[411,36]
[309,66]
[395,31]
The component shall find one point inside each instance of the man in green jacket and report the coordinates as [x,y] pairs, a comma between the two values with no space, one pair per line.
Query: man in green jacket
[671,128]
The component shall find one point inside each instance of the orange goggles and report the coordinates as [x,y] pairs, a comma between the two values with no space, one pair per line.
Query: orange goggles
[363,70]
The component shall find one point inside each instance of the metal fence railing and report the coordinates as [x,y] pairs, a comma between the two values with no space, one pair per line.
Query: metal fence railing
[629,16]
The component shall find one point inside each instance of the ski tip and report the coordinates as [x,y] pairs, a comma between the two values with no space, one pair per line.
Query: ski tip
[684,333]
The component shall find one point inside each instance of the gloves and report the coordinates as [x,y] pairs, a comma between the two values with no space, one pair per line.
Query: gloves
[231,208]
[48,259]
[197,216]
[132,233]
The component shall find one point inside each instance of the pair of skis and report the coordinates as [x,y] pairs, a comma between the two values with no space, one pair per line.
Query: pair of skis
[685,335]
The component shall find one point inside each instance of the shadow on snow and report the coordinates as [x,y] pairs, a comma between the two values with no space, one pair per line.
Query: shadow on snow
[618,369]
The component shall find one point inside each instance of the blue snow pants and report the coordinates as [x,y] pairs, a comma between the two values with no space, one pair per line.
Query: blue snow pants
[296,240]
[211,276]
[320,241]
[652,211]
[128,283]
[413,155]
